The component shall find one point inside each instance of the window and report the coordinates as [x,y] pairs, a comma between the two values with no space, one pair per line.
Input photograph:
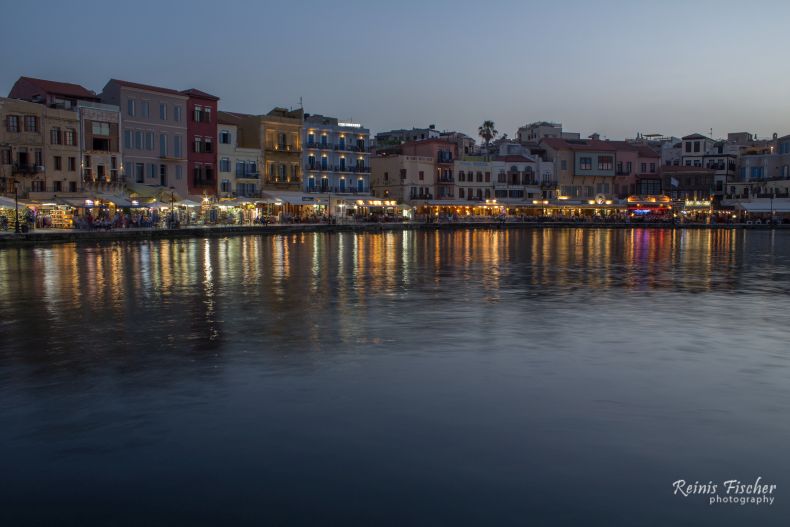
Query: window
[99,128]
[152,171]
[688,146]
[208,145]
[479,177]
[55,136]
[39,156]
[5,157]
[38,186]
[149,140]
[224,137]
[643,168]
[422,175]
[12,123]
[460,192]
[209,172]
[31,123]
[70,137]
[652,168]
[224,165]
[177,118]
[564,164]
[130,107]
[488,177]
[605,162]
[58,163]
[163,175]
[163,111]
[696,146]
[162,145]
[177,147]
[585,163]
[72,164]
[127,139]
[145,108]
[461,175]
[138,140]
[207,115]
[179,172]
[198,114]
[197,144]
[57,186]
[757,172]
[139,172]
[225,186]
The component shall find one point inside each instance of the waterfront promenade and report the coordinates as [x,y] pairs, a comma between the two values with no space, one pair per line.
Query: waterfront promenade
[47,236]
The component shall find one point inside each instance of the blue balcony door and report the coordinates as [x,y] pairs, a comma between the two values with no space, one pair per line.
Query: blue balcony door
[343,164]
[324,184]
[311,184]
[342,184]
[360,185]
[342,143]
[324,163]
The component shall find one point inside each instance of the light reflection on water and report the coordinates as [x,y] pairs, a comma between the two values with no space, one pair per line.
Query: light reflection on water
[464,375]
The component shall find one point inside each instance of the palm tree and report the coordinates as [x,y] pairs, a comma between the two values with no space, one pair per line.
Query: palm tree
[487,132]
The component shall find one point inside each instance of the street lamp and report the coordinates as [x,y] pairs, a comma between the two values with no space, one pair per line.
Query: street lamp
[17,228]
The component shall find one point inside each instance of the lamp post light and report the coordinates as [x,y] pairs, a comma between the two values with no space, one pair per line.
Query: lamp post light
[17,227]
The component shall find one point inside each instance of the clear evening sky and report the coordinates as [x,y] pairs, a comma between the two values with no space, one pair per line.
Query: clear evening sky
[615,67]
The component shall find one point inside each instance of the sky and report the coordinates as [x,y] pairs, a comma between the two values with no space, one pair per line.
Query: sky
[606,66]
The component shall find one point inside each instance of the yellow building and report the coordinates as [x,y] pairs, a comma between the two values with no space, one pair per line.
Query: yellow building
[281,133]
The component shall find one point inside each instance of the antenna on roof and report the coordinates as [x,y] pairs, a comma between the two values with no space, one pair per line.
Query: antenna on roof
[301,106]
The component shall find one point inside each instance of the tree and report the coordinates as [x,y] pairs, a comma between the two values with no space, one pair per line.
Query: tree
[487,132]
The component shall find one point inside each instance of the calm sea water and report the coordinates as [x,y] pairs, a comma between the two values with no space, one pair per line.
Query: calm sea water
[541,377]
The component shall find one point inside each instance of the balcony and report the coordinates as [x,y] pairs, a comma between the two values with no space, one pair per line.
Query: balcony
[20,168]
[248,175]
[321,146]
[446,179]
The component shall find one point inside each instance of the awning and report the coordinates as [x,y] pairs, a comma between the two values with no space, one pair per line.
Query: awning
[295,198]
[187,203]
[764,205]
[118,201]
[141,190]
[8,203]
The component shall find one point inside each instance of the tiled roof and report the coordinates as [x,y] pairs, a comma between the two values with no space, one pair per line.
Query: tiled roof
[139,86]
[61,88]
[513,159]
[194,92]
[596,145]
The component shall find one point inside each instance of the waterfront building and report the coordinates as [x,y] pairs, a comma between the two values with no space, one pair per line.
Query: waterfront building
[335,156]
[201,111]
[591,168]
[513,176]
[154,134]
[403,178]
[465,145]
[444,152]
[684,182]
[22,147]
[763,174]
[82,147]
[281,142]
[240,155]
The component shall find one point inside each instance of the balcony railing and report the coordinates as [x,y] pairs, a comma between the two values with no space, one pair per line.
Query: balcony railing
[19,168]
[247,175]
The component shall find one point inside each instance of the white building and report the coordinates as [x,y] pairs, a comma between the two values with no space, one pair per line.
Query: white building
[335,156]
[239,156]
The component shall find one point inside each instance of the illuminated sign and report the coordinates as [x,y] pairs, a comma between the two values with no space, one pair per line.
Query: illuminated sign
[350,125]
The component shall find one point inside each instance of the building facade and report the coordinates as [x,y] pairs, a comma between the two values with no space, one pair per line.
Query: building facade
[335,156]
[402,177]
[240,156]
[591,168]
[281,143]
[202,136]
[82,146]
[154,133]
[22,147]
